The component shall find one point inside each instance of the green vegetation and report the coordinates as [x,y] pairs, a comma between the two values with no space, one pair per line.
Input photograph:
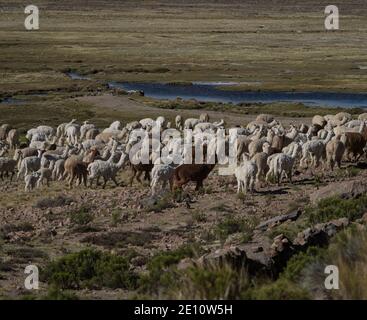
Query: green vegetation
[116,217]
[162,272]
[336,207]
[55,293]
[90,269]
[212,282]
[82,216]
[294,110]
[199,216]
[230,225]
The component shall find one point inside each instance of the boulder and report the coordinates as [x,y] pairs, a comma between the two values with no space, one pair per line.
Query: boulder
[238,257]
[319,234]
[345,190]
[282,250]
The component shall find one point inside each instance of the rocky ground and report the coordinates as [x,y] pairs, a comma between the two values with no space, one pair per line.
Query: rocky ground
[50,222]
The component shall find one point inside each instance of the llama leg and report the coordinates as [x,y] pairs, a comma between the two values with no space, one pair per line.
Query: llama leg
[104,182]
[114,180]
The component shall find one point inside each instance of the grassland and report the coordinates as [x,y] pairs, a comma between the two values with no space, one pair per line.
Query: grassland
[282,46]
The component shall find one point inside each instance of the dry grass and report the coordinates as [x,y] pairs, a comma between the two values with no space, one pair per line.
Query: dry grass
[282,46]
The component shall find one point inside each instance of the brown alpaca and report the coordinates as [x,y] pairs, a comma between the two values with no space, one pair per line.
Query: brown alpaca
[354,143]
[190,172]
[138,169]
[76,168]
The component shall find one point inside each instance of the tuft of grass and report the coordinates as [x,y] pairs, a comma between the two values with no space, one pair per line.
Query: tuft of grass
[116,217]
[55,293]
[281,289]
[90,269]
[199,216]
[230,225]
[212,282]
[352,172]
[82,217]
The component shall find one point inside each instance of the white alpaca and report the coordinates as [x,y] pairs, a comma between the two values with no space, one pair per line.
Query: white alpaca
[106,169]
[245,174]
[281,164]
[161,172]
[315,149]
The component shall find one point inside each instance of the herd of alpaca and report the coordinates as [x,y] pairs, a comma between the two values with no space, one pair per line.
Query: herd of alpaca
[266,151]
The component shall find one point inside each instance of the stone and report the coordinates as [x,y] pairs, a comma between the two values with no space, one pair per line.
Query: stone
[279,219]
[345,190]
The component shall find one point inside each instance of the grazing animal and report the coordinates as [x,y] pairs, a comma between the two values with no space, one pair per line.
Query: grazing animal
[334,152]
[30,181]
[190,172]
[106,169]
[7,165]
[245,174]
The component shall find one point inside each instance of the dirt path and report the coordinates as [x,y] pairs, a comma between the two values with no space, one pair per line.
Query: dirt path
[140,110]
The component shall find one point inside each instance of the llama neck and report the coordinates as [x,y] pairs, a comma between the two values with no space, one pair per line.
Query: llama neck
[121,161]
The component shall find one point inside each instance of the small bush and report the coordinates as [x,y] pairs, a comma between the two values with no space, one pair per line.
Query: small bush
[161,268]
[281,289]
[90,269]
[336,207]
[81,217]
[116,217]
[232,225]
[199,216]
[55,293]
[212,282]
[298,262]
[347,251]
[352,172]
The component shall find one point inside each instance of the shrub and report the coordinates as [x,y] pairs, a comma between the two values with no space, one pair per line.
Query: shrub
[116,217]
[161,268]
[90,269]
[212,282]
[232,225]
[347,251]
[82,216]
[336,207]
[199,216]
[55,293]
[281,289]
[298,262]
